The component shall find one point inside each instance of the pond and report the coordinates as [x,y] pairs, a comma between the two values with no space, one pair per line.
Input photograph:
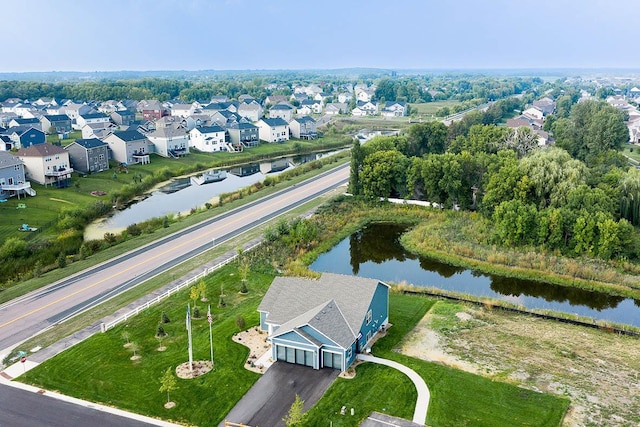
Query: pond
[179,195]
[376,252]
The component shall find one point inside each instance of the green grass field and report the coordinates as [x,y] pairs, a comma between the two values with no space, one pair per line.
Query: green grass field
[100,370]
[44,208]
[429,109]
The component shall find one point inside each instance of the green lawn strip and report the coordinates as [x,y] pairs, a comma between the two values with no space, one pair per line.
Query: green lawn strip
[49,202]
[26,286]
[431,108]
[375,388]
[75,324]
[457,398]
[100,368]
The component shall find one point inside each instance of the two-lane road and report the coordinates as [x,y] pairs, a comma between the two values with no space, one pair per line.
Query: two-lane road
[34,312]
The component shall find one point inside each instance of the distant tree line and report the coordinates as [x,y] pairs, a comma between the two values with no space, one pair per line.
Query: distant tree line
[579,198]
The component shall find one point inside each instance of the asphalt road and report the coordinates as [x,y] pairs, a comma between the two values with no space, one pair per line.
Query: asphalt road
[270,398]
[28,315]
[20,408]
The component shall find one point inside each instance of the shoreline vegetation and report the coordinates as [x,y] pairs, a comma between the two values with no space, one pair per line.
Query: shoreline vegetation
[454,238]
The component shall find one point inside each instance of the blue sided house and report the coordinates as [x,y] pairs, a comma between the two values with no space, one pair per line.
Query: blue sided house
[323,323]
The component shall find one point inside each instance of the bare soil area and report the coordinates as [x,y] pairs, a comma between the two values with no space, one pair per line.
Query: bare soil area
[597,370]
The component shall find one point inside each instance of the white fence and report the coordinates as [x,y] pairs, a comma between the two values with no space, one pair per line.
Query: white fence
[104,327]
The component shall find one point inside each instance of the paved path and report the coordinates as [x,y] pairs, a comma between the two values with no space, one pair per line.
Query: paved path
[422,403]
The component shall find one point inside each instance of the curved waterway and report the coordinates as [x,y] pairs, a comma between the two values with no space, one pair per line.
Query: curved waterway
[375,252]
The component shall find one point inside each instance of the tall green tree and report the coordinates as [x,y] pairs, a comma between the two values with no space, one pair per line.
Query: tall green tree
[357,158]
[384,174]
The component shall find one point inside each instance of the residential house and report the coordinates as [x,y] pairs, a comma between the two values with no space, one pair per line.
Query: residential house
[303,128]
[394,109]
[6,144]
[251,109]
[297,97]
[183,110]
[533,113]
[275,99]
[323,323]
[97,130]
[21,121]
[25,136]
[219,98]
[129,146]
[153,110]
[56,123]
[74,110]
[225,118]
[46,164]
[335,108]
[546,105]
[170,141]
[345,97]
[108,107]
[282,111]
[214,107]
[634,92]
[88,155]
[242,134]
[322,96]
[123,117]
[273,129]
[365,109]
[365,95]
[92,118]
[13,181]
[310,106]
[208,139]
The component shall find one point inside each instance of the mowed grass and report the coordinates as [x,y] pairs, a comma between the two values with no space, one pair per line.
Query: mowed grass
[431,108]
[100,370]
[457,398]
[42,210]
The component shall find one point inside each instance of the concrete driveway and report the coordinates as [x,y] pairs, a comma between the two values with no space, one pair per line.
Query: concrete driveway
[270,398]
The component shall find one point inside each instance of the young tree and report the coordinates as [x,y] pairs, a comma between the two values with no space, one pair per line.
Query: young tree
[202,290]
[295,415]
[168,383]
[193,294]
[134,347]
[125,336]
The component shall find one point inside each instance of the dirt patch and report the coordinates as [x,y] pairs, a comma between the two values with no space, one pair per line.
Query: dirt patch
[597,370]
[200,367]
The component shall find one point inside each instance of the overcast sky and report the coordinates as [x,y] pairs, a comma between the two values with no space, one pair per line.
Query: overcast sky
[110,35]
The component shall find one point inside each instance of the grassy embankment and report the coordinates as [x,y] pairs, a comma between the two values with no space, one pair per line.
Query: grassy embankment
[43,210]
[133,385]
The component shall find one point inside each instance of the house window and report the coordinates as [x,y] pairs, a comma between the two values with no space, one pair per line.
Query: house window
[101,157]
[349,353]
[368,317]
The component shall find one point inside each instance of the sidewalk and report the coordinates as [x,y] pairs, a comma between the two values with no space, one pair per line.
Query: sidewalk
[422,403]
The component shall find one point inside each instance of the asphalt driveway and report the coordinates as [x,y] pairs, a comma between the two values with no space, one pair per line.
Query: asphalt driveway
[270,398]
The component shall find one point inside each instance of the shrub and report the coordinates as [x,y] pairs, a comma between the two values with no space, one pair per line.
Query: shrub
[134,230]
[161,332]
[240,322]
[165,318]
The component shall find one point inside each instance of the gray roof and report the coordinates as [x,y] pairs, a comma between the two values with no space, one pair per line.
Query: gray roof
[94,116]
[281,107]
[210,129]
[56,117]
[8,160]
[129,135]
[305,119]
[276,121]
[335,305]
[40,150]
[242,125]
[89,143]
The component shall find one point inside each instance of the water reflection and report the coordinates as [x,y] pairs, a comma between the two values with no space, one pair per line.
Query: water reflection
[375,252]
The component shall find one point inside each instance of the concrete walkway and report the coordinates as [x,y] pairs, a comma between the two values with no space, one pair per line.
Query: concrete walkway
[422,403]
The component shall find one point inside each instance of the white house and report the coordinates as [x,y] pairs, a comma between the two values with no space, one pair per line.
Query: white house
[170,141]
[273,129]
[46,164]
[208,138]
[282,111]
[533,113]
[303,128]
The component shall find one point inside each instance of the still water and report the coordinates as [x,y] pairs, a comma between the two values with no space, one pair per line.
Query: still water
[375,252]
[179,195]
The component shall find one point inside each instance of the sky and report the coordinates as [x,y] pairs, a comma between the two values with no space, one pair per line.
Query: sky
[114,35]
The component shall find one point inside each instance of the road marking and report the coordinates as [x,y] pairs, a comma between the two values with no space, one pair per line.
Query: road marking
[265,205]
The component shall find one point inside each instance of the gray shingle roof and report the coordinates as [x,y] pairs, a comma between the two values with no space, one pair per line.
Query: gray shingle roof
[90,143]
[305,119]
[281,107]
[210,129]
[129,135]
[40,150]
[276,121]
[336,304]
[94,116]
[8,160]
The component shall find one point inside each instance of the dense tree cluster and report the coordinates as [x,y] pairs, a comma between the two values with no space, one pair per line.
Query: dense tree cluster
[578,198]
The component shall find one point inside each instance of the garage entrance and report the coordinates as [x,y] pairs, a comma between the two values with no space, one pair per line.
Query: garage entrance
[331,360]
[294,355]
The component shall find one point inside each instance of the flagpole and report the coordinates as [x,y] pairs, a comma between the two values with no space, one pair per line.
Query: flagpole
[210,320]
[189,334]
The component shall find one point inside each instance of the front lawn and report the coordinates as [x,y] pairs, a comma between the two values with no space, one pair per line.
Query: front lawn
[100,370]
